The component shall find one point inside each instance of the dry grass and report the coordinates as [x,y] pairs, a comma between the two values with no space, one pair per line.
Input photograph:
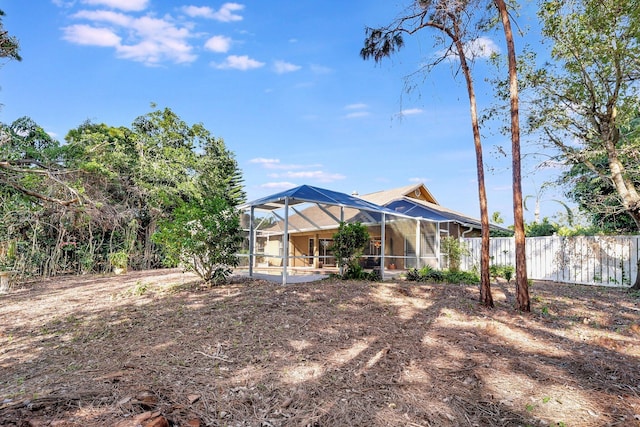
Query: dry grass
[154,348]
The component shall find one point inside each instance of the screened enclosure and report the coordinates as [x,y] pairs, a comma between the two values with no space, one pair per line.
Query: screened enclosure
[291,233]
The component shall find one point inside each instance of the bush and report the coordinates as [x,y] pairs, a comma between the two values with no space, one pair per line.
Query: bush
[348,244]
[356,272]
[454,249]
[203,237]
[500,270]
[427,273]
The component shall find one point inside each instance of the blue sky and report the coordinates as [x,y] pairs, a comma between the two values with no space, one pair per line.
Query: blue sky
[281,82]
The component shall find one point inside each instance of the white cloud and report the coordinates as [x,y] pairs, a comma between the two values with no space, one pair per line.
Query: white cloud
[128,5]
[275,164]
[358,106]
[411,111]
[115,18]
[282,67]
[265,162]
[239,63]
[220,44]
[321,176]
[419,180]
[320,69]
[92,36]
[148,40]
[225,14]
[482,47]
[357,114]
[358,110]
[279,185]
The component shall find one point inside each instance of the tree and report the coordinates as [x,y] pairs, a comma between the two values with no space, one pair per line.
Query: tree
[538,199]
[543,228]
[522,285]
[587,99]
[9,46]
[202,236]
[70,207]
[348,244]
[455,20]
[29,163]
[598,199]
[177,163]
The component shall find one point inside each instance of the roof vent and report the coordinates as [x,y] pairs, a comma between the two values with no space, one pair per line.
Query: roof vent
[354,193]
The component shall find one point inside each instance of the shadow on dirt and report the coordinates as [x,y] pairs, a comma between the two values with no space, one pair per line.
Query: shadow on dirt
[112,351]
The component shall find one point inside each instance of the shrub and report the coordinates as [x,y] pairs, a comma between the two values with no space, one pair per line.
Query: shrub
[202,236]
[413,275]
[454,249]
[427,273]
[348,244]
[500,270]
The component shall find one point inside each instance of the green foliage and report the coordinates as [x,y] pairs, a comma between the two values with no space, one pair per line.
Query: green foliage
[203,237]
[9,46]
[348,245]
[119,259]
[8,254]
[587,102]
[500,270]
[453,249]
[106,190]
[537,229]
[429,274]
[357,272]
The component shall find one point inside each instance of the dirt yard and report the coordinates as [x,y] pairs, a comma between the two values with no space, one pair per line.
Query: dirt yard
[157,349]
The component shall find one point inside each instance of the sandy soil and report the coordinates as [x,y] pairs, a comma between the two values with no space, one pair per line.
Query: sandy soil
[156,348]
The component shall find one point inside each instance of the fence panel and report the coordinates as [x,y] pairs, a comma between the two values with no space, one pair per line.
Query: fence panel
[593,260]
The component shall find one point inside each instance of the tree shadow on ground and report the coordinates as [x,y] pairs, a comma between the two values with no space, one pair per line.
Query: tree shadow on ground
[314,354]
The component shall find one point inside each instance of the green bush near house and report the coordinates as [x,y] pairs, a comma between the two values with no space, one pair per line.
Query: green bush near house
[429,274]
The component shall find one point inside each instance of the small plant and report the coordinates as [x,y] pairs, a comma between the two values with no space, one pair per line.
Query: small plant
[8,254]
[413,275]
[454,249]
[508,272]
[119,259]
[501,270]
[428,273]
[140,288]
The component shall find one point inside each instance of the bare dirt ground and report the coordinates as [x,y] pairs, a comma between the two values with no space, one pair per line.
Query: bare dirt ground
[157,349]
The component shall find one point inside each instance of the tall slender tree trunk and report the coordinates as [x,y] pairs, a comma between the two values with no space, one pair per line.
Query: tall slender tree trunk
[522,286]
[486,298]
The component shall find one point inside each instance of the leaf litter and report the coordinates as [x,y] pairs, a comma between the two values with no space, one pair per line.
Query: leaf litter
[157,348]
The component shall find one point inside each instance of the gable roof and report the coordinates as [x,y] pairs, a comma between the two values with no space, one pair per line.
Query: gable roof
[417,191]
[413,200]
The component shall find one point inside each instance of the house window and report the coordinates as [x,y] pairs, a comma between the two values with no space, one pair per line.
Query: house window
[326,255]
[375,247]
[312,251]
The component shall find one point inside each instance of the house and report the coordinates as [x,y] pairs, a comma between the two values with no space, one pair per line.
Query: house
[405,224]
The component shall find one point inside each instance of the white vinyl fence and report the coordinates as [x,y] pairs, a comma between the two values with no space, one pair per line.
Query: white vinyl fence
[591,260]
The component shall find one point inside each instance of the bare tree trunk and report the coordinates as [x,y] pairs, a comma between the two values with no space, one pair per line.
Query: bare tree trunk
[522,286]
[636,284]
[486,298]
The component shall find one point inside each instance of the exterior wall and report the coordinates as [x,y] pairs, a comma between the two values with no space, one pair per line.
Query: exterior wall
[400,247]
